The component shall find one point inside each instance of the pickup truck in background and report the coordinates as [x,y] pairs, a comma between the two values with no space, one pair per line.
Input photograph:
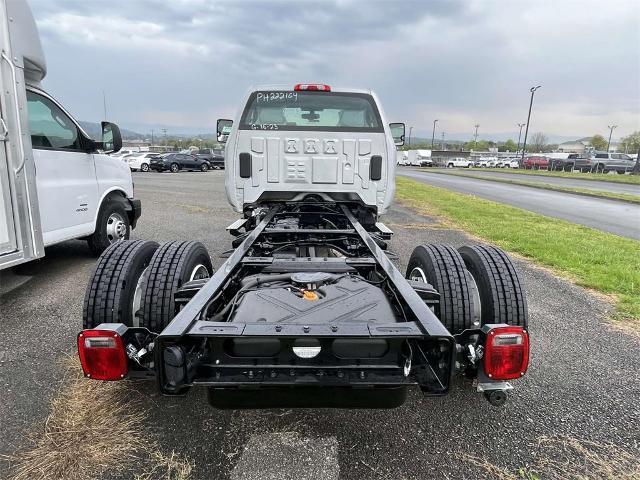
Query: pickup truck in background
[56,183]
[459,162]
[536,163]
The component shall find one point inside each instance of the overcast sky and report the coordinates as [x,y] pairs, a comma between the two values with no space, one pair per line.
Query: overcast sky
[184,63]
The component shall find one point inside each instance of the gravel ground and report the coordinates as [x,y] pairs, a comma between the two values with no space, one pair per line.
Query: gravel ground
[583,379]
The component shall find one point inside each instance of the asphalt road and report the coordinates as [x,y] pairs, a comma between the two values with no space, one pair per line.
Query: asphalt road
[612,216]
[583,379]
[578,181]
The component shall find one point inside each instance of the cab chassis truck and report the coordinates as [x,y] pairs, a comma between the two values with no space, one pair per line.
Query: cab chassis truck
[309,308]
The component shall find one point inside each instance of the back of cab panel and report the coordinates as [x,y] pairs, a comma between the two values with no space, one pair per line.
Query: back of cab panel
[285,144]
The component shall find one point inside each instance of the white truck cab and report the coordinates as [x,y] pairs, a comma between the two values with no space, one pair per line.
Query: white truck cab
[310,140]
[56,183]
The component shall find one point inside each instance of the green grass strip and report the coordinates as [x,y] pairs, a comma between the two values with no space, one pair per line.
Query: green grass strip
[625,197]
[598,177]
[598,260]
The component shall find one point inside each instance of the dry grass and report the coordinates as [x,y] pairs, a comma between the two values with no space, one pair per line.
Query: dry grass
[567,458]
[94,428]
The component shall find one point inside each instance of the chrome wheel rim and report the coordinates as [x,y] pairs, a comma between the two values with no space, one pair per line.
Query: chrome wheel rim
[199,272]
[418,275]
[174,168]
[116,228]
[136,304]
[144,167]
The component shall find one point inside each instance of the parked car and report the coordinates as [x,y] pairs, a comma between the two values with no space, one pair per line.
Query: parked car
[536,162]
[605,162]
[510,163]
[141,161]
[486,162]
[174,162]
[459,162]
[215,157]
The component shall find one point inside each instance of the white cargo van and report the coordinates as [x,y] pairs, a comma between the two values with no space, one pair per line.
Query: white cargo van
[56,183]
[310,141]
[420,158]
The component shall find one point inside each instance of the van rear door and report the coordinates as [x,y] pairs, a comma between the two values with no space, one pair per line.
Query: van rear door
[20,231]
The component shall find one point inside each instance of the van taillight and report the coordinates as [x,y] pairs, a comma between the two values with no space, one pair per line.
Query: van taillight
[313,87]
[102,355]
[506,353]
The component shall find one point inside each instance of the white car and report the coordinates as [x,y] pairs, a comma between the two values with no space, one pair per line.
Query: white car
[459,162]
[141,161]
[511,163]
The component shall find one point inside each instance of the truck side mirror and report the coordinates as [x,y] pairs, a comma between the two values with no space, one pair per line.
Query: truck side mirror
[111,137]
[397,132]
[223,129]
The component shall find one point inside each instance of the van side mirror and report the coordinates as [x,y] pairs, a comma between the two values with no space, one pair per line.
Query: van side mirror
[397,132]
[223,129]
[111,137]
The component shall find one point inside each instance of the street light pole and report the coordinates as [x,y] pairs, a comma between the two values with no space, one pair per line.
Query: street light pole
[519,135]
[526,130]
[475,136]
[410,130]
[443,146]
[611,127]
[433,134]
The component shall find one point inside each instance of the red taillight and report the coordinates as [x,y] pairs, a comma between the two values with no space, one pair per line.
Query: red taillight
[506,353]
[102,355]
[312,87]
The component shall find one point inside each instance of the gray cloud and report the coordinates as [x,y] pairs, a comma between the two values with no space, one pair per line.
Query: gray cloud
[186,62]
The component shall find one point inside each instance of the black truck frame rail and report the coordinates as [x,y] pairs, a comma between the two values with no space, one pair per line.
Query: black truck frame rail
[356,363]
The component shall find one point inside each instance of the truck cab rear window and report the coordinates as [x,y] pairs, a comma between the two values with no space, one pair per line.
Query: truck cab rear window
[311,111]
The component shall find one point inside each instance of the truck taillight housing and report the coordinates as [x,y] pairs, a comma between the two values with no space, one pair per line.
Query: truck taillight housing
[506,353]
[102,355]
[312,87]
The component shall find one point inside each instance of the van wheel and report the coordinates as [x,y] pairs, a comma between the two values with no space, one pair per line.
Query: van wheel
[110,295]
[112,226]
[144,167]
[172,265]
[443,267]
[500,288]
[174,168]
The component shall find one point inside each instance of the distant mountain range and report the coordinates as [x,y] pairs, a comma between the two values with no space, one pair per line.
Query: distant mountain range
[94,130]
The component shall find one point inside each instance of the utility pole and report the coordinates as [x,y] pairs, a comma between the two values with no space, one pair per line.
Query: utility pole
[526,131]
[164,131]
[443,145]
[433,134]
[610,127]
[152,136]
[409,142]
[475,136]
[104,105]
[519,135]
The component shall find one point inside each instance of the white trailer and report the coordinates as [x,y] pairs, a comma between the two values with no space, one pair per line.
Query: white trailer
[420,158]
[56,183]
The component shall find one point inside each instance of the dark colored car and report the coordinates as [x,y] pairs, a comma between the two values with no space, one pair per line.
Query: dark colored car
[536,163]
[215,157]
[174,162]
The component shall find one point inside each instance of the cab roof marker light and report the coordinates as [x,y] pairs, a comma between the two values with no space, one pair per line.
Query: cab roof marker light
[312,87]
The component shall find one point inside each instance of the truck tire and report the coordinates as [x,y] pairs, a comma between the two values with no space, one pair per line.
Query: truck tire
[173,264]
[501,291]
[112,225]
[110,294]
[443,267]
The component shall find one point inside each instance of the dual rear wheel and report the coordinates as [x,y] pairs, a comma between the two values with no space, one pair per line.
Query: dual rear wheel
[478,285]
[134,282]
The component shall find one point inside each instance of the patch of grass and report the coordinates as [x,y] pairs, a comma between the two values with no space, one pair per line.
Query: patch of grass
[598,260]
[93,428]
[568,458]
[601,177]
[626,197]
